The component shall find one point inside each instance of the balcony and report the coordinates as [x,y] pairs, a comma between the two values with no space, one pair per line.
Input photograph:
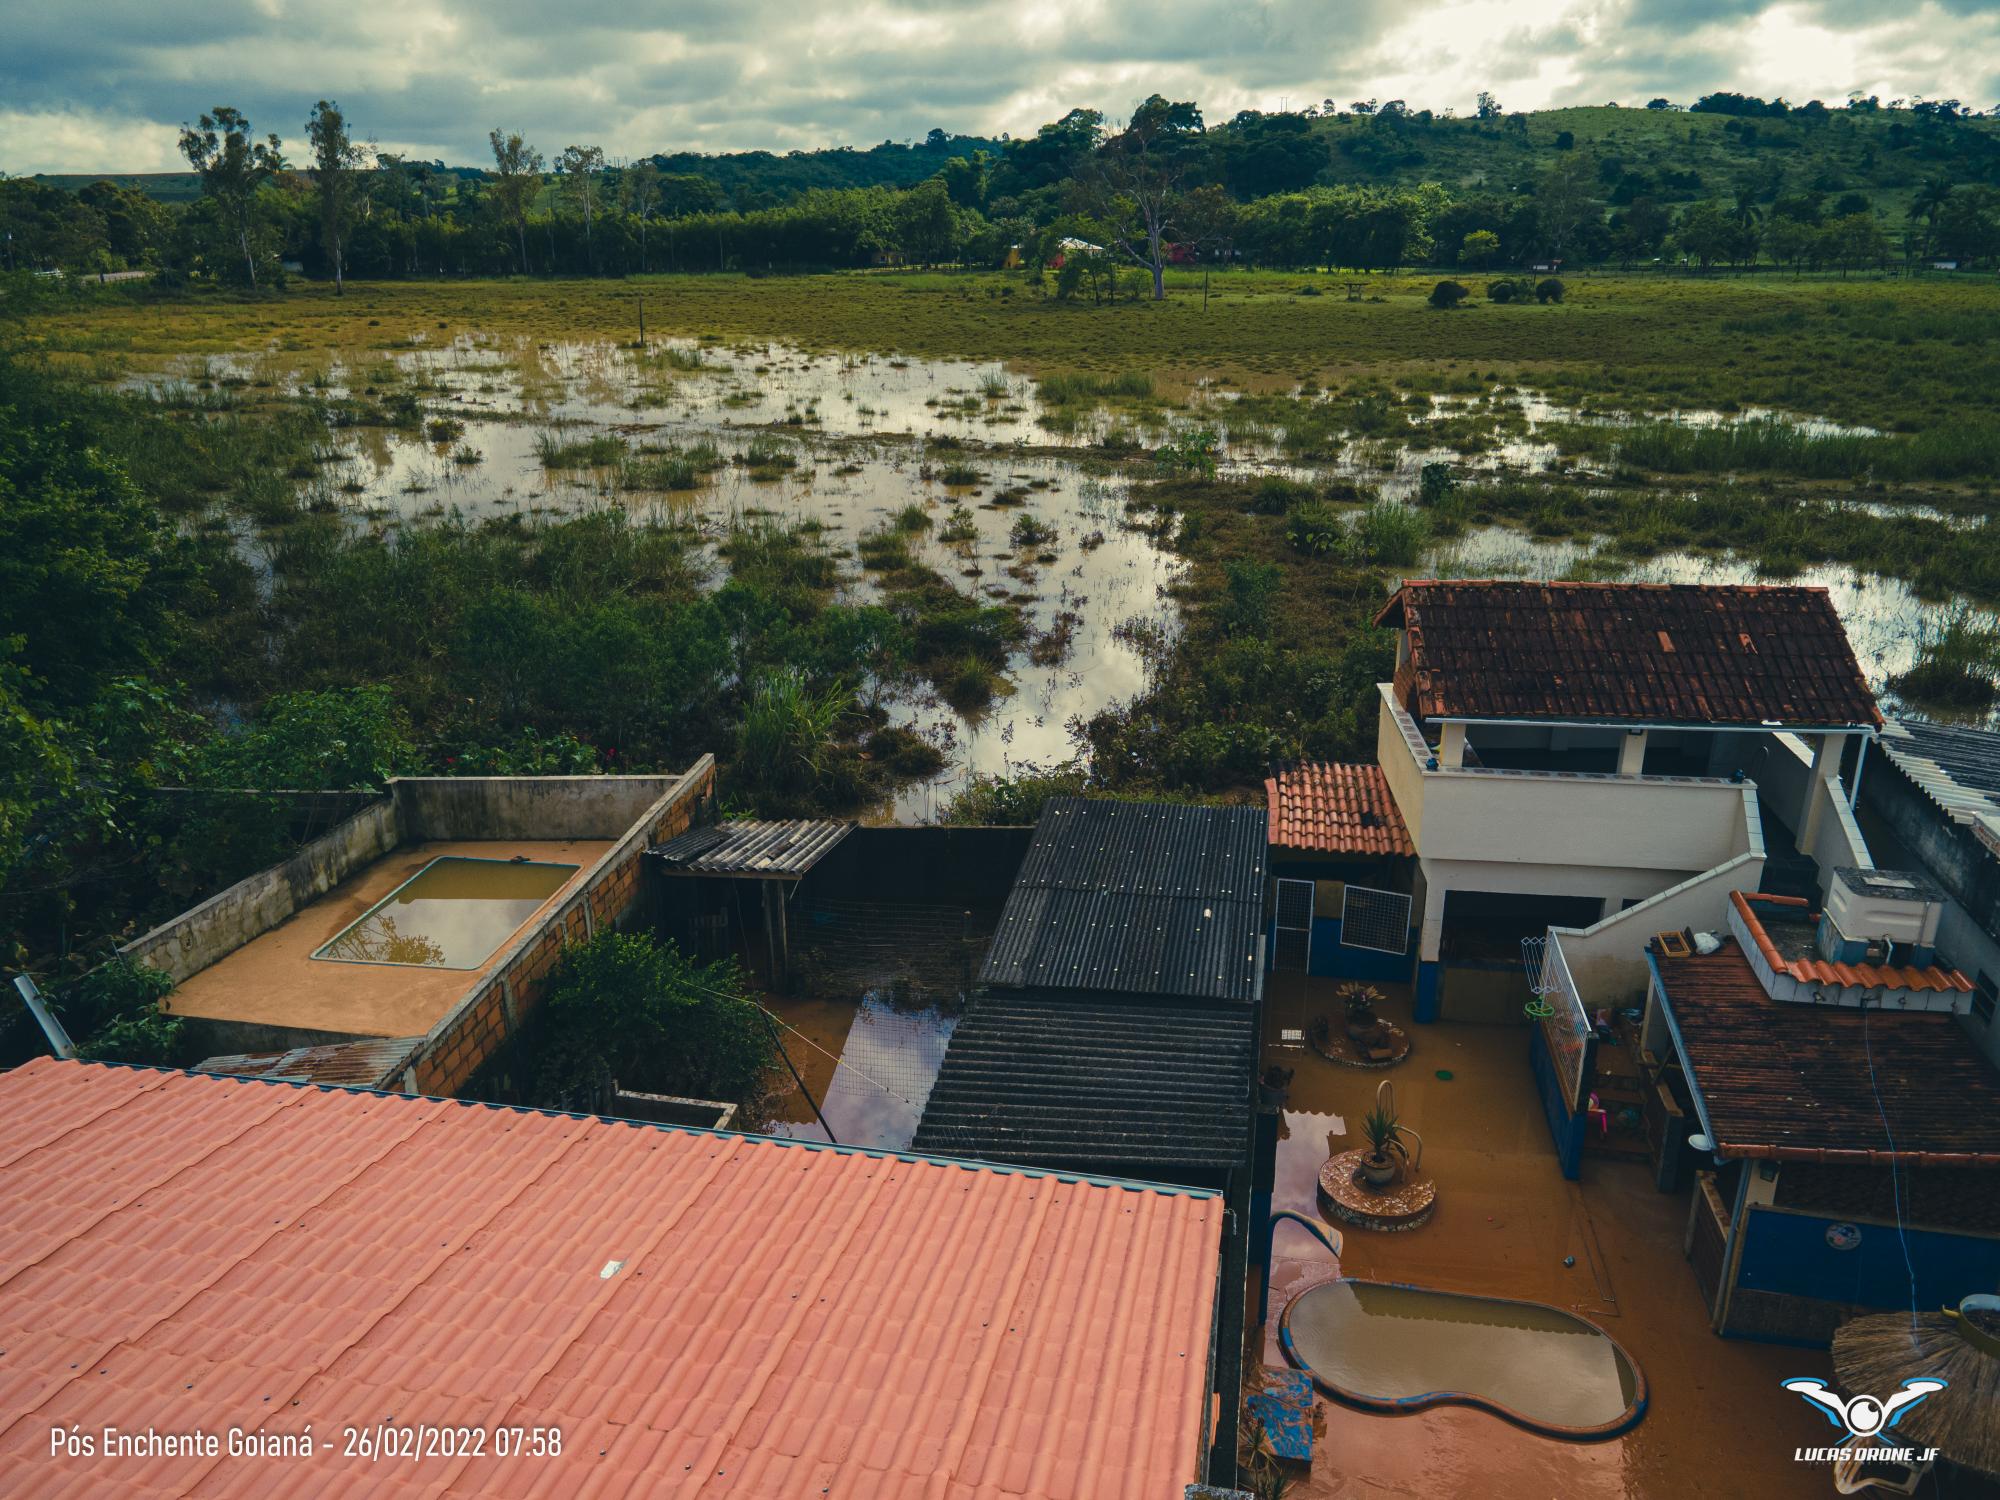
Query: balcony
[1673,825]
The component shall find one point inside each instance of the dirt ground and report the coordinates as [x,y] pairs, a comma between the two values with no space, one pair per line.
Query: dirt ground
[1717,1422]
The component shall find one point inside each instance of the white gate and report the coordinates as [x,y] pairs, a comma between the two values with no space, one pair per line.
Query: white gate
[1378,920]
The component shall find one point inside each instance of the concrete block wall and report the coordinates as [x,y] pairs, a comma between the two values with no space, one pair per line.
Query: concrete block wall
[479,1025]
[437,808]
[207,933]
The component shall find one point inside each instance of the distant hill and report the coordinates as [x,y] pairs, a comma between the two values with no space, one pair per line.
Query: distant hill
[1673,156]
[167,187]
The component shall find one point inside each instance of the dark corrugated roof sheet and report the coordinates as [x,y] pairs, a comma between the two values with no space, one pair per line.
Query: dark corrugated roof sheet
[1324,807]
[367,1064]
[1792,1082]
[1643,653]
[1957,768]
[1052,1079]
[782,850]
[1147,898]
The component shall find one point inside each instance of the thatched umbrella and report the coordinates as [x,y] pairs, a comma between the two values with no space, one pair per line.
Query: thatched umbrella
[1878,1353]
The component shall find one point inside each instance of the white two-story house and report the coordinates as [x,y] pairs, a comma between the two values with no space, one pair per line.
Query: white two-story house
[1562,753]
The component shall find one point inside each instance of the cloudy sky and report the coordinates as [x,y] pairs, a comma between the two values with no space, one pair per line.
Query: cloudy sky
[90,85]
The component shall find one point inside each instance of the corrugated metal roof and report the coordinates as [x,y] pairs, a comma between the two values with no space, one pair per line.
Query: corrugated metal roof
[364,1064]
[1640,653]
[1959,769]
[696,1312]
[1794,1083]
[1323,807]
[1054,1080]
[1148,898]
[783,850]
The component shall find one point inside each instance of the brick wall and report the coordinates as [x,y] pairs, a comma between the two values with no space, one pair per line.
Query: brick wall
[477,1027]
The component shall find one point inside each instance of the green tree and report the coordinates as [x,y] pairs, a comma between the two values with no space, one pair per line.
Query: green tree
[348,739]
[640,188]
[232,168]
[1479,248]
[336,160]
[1565,201]
[579,168]
[926,225]
[1134,184]
[517,179]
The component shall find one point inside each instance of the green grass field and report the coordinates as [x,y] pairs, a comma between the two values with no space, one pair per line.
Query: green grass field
[1897,354]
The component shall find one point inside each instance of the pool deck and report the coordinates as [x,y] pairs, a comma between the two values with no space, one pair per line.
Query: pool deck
[274,980]
[1717,1423]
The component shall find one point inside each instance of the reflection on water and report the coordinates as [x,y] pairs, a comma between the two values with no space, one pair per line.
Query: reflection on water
[452,914]
[1396,1343]
[888,1061]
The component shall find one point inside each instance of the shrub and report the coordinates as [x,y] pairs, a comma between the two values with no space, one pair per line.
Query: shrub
[113,1014]
[1957,665]
[1250,592]
[1031,531]
[1447,294]
[787,731]
[1549,290]
[1390,534]
[1435,483]
[1504,290]
[959,474]
[1315,529]
[627,1006]
[1191,450]
[340,740]
[1014,799]
[1276,495]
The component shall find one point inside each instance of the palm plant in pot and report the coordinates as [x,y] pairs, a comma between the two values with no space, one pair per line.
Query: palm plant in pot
[1388,1152]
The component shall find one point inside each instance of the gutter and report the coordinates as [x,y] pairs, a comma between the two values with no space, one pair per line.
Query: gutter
[1866,731]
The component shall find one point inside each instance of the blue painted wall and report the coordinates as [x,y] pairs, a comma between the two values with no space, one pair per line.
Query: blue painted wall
[1332,961]
[1788,1253]
[1565,1129]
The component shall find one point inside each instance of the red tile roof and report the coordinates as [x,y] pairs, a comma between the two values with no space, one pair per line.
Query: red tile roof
[1817,970]
[698,1313]
[1791,1082]
[1324,807]
[1639,653]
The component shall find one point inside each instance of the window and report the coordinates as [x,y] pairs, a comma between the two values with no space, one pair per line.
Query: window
[1983,995]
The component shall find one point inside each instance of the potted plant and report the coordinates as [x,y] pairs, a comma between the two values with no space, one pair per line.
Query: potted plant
[1361,1000]
[1387,1151]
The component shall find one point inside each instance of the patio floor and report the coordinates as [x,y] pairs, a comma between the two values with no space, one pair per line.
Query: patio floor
[1717,1422]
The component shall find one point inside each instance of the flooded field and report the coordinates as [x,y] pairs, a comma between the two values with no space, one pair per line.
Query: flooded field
[1018,491]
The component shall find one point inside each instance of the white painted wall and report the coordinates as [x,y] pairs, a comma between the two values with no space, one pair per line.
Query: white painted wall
[1608,958]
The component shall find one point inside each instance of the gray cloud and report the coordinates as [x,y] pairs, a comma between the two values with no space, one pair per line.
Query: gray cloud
[432,76]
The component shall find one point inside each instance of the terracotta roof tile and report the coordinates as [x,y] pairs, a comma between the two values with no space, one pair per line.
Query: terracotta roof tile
[1326,807]
[1792,1082]
[1650,653]
[1848,976]
[696,1311]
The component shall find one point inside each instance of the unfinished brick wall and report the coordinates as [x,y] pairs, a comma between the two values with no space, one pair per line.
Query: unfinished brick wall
[479,1025]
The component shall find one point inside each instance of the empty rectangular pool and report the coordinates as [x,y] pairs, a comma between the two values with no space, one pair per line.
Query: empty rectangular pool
[451,914]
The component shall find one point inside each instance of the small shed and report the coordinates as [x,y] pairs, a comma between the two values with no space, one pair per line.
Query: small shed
[1343,868]
[775,854]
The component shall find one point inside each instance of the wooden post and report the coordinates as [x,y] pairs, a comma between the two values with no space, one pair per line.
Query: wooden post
[642,321]
[775,944]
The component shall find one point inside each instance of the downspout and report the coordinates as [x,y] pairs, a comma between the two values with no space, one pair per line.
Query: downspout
[1860,760]
[59,1041]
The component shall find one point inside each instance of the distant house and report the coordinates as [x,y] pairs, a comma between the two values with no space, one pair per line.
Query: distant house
[1854,1126]
[1546,267]
[1069,245]
[1944,265]
[632,1309]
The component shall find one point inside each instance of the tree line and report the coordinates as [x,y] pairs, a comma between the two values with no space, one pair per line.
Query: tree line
[1160,189]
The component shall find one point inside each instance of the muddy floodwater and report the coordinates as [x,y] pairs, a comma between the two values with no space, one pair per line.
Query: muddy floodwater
[863,438]
[1410,1345]
[451,914]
